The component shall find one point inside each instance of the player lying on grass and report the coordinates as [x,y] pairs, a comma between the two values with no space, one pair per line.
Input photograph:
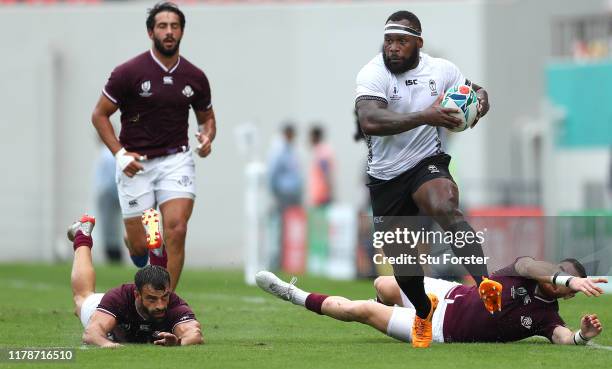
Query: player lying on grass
[144,312]
[529,305]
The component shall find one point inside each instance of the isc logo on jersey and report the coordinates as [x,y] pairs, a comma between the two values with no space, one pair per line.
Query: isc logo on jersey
[464,99]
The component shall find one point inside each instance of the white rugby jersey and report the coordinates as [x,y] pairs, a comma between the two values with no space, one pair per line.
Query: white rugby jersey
[410,92]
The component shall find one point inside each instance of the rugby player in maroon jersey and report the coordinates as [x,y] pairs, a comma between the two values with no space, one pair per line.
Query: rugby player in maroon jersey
[528,305]
[146,311]
[154,92]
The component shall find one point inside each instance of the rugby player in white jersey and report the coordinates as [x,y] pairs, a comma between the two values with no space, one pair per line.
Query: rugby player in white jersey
[398,105]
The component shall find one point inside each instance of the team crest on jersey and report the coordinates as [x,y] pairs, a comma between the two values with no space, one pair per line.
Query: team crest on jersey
[522,293]
[146,89]
[188,91]
[526,321]
[433,87]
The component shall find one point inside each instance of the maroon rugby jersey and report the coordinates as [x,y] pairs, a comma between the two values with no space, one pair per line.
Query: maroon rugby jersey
[523,313]
[154,101]
[131,327]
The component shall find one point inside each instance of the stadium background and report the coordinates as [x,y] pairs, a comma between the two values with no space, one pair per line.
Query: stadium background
[269,61]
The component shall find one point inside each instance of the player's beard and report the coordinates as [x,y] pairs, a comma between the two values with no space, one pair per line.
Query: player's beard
[159,46]
[405,66]
[151,314]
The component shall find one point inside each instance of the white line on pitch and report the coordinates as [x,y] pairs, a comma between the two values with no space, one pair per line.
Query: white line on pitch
[601,347]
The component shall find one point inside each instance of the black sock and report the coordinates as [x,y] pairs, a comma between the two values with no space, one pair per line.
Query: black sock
[414,289]
[477,271]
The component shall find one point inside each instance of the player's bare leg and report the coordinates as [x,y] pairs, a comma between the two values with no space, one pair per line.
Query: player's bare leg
[387,291]
[367,312]
[136,241]
[439,198]
[175,215]
[83,276]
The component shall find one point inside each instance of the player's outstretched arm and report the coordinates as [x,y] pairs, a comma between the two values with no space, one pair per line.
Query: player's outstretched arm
[590,327]
[207,130]
[99,326]
[543,272]
[376,120]
[189,333]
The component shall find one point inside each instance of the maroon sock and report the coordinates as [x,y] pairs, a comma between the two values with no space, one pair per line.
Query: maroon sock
[157,260]
[314,301]
[81,239]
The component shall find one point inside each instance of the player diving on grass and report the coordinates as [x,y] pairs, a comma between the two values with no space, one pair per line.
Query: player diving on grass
[398,99]
[146,311]
[529,305]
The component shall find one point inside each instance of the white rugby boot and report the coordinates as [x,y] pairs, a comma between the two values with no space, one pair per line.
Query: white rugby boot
[85,224]
[270,283]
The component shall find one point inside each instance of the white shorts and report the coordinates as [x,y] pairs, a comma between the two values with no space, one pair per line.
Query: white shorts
[400,324]
[165,178]
[89,306]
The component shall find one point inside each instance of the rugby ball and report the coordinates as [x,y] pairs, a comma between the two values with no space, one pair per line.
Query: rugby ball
[464,99]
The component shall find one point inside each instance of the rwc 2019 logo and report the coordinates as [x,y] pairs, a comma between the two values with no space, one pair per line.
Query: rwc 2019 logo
[146,89]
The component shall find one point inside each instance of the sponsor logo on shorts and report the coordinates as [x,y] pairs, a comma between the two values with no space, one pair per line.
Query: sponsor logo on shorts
[188,91]
[146,89]
[185,181]
[133,203]
[526,321]
[433,169]
[145,327]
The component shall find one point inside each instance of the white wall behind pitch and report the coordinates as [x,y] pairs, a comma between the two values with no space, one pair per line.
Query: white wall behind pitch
[265,63]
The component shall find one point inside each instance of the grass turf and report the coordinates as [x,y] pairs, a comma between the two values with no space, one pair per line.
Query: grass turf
[246,328]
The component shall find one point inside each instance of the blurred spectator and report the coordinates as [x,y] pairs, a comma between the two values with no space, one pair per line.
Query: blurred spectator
[286,185]
[321,173]
[285,177]
[107,201]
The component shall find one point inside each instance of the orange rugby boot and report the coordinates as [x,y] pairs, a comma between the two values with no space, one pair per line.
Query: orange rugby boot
[150,220]
[421,328]
[490,293]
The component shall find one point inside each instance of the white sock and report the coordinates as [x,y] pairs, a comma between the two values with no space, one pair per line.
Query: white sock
[299,297]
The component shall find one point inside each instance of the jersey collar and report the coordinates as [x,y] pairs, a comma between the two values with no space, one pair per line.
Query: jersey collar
[538,295]
[162,66]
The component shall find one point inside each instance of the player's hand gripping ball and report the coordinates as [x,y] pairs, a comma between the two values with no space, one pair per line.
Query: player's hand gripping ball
[462,98]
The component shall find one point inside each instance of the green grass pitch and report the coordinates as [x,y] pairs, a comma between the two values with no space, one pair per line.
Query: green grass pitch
[246,328]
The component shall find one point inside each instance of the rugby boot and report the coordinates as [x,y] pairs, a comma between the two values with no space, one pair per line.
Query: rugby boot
[85,224]
[270,283]
[490,293]
[150,220]
[422,328]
